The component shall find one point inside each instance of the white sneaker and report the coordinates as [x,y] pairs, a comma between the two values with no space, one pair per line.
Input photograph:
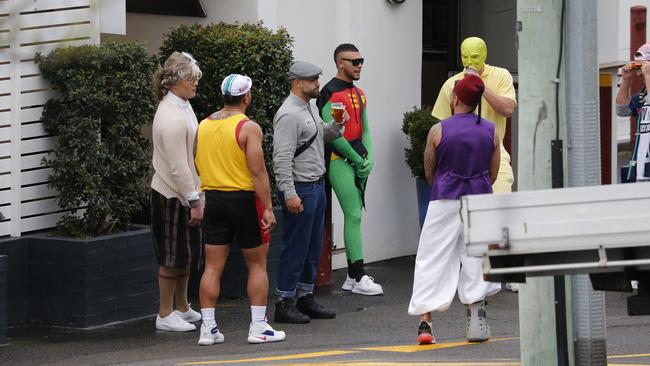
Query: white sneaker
[348,284]
[189,316]
[512,286]
[173,323]
[477,328]
[262,332]
[367,286]
[210,335]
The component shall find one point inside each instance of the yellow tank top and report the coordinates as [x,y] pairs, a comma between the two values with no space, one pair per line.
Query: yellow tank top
[220,161]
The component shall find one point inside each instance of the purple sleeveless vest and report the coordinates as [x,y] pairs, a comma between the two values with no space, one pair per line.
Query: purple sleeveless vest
[463,157]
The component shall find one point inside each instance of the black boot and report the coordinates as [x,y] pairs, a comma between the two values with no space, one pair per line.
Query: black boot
[307,305]
[286,312]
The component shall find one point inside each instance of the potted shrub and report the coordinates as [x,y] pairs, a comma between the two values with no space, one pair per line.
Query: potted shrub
[416,125]
[97,268]
[264,55]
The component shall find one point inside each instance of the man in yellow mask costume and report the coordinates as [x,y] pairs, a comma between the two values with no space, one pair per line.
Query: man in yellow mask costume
[497,105]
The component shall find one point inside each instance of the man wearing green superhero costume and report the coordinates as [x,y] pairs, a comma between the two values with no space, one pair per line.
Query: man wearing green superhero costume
[351,161]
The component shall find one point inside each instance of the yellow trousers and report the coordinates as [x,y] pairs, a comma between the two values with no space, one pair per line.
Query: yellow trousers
[505,178]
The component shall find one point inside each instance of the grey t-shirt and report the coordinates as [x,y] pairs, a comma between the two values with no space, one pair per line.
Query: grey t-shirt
[293,125]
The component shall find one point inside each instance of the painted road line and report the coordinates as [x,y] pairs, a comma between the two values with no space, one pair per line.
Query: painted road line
[426,347]
[630,356]
[375,363]
[274,358]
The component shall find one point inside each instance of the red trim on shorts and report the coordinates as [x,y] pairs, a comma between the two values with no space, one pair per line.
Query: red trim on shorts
[238,130]
[266,236]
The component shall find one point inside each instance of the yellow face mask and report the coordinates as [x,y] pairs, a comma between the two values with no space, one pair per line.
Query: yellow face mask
[473,52]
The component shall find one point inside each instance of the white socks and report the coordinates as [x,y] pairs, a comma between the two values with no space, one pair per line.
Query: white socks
[208,316]
[258,314]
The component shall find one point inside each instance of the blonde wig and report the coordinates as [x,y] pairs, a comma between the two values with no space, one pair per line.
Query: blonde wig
[178,66]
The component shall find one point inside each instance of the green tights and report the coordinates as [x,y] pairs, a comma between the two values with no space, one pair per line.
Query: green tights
[342,177]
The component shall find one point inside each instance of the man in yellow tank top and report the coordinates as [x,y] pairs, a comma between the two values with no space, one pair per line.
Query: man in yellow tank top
[230,161]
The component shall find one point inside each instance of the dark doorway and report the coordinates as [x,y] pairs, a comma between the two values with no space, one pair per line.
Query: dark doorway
[439,43]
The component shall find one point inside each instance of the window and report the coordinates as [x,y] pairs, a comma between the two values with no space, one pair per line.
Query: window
[189,8]
[435,25]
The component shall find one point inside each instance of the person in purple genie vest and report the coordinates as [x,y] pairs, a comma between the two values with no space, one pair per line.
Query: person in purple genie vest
[461,158]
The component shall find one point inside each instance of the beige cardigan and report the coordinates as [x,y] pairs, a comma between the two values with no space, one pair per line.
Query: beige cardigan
[173,154]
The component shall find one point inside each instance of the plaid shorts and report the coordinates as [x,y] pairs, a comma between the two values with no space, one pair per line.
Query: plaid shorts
[176,243]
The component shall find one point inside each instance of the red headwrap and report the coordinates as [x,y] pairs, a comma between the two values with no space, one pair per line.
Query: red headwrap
[470,90]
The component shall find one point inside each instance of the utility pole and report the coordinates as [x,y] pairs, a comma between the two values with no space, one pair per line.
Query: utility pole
[539,52]
[548,311]
[583,127]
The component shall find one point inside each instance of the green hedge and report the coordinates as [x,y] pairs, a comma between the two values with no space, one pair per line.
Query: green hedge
[250,49]
[101,160]
[416,126]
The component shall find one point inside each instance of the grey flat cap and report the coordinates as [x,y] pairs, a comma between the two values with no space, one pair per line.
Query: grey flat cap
[304,70]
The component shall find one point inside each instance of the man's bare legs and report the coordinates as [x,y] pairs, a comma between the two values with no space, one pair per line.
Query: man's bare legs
[170,287]
[172,284]
[215,261]
[258,279]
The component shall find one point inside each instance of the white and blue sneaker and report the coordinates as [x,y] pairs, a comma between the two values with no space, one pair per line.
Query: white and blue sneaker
[210,335]
[262,332]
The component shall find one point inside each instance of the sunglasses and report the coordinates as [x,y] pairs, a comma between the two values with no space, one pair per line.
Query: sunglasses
[354,61]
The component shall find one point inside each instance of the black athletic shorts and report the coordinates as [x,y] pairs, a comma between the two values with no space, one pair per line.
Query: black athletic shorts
[233,217]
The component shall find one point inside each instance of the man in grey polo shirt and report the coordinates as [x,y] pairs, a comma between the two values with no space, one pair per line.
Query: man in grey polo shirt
[299,135]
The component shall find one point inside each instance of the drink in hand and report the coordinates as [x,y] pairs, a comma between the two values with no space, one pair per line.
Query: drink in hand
[337,111]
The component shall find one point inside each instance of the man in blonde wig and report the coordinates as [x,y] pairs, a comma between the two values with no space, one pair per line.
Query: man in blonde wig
[176,204]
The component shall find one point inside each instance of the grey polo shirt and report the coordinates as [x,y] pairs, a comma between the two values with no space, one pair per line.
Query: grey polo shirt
[293,125]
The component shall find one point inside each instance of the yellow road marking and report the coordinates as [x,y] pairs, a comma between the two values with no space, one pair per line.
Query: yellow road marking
[403,349]
[274,358]
[427,347]
[375,363]
[630,356]
[410,364]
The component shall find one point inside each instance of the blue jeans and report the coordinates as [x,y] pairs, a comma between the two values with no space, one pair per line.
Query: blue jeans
[303,240]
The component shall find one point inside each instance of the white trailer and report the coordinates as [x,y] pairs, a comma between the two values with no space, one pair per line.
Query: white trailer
[559,231]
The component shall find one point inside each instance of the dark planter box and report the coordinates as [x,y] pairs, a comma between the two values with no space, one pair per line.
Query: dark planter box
[17,279]
[235,274]
[87,283]
[3,299]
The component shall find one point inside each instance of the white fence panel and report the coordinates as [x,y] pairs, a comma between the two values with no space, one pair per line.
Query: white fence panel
[36,192]
[31,114]
[41,5]
[33,161]
[55,18]
[33,130]
[5,181]
[5,118]
[32,26]
[5,132]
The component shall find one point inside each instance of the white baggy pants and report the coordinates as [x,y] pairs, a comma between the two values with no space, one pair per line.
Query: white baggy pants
[442,264]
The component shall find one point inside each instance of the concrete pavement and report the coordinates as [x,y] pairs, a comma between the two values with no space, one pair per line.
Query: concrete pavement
[366,331]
